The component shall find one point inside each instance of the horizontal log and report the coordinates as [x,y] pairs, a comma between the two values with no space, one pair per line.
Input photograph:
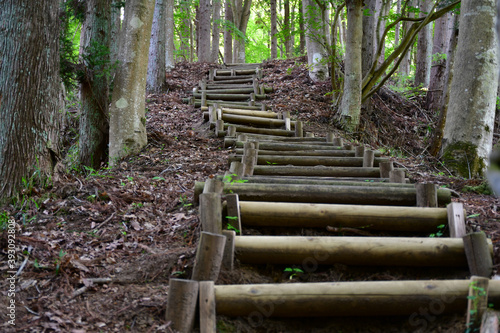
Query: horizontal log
[288,146]
[338,153]
[239,72]
[247,129]
[229,97]
[308,160]
[239,105]
[233,78]
[317,171]
[355,251]
[224,90]
[242,112]
[339,299]
[383,182]
[265,138]
[252,120]
[227,86]
[354,195]
[390,218]
[243,64]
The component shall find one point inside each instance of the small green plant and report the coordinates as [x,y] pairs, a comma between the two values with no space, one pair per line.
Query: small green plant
[58,261]
[294,272]
[4,220]
[271,163]
[179,273]
[158,178]
[439,233]
[184,201]
[473,216]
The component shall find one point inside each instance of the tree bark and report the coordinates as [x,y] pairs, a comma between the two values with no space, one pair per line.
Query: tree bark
[204,10]
[274,31]
[115,31]
[424,48]
[350,106]
[241,14]
[469,124]
[156,64]
[397,28]
[314,36]
[368,44]
[228,37]
[216,6]
[169,35]
[404,66]
[94,88]
[30,90]
[441,42]
[287,30]
[127,117]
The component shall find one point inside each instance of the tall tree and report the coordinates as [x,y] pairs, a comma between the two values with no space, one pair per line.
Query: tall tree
[156,63]
[315,40]
[228,37]
[241,14]
[30,90]
[94,87]
[127,112]
[216,7]
[424,48]
[203,35]
[287,29]
[115,29]
[350,106]
[274,31]
[369,41]
[468,132]
[440,44]
[169,35]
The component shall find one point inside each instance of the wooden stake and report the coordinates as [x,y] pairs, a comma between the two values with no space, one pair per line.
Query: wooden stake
[359,151]
[211,212]
[219,128]
[228,259]
[299,132]
[477,302]
[248,161]
[286,118]
[426,195]
[255,86]
[456,220]
[237,169]
[386,168]
[478,254]
[242,138]
[211,74]
[349,147]
[208,257]
[397,176]
[203,98]
[233,211]
[212,113]
[213,185]
[368,158]
[231,131]
[339,142]
[489,323]
[330,137]
[309,135]
[181,304]
[207,307]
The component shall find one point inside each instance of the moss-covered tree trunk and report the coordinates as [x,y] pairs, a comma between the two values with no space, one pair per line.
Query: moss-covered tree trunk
[469,124]
[127,112]
[94,88]
[350,106]
[30,90]
[204,11]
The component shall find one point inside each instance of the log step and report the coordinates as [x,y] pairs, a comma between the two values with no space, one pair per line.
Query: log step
[308,160]
[388,218]
[355,251]
[338,299]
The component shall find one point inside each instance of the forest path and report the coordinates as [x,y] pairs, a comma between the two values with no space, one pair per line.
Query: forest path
[282,184]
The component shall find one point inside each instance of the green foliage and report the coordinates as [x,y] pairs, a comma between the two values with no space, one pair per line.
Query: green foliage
[483,188]
[72,16]
[4,220]
[439,233]
[293,272]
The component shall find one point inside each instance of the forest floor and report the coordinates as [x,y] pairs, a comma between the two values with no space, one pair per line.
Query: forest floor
[136,226]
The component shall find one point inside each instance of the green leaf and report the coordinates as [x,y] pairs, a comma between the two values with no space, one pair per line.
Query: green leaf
[232,217]
[473,215]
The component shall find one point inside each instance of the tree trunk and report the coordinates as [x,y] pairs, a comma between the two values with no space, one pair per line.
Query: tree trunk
[127,117]
[169,35]
[241,14]
[440,46]
[185,31]
[368,44]
[287,30]
[302,34]
[228,37]
[203,37]
[424,48]
[469,125]
[215,30]
[316,52]
[30,90]
[397,28]
[384,12]
[115,31]
[156,64]
[351,99]
[94,88]
[274,31]
[404,66]
[437,136]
